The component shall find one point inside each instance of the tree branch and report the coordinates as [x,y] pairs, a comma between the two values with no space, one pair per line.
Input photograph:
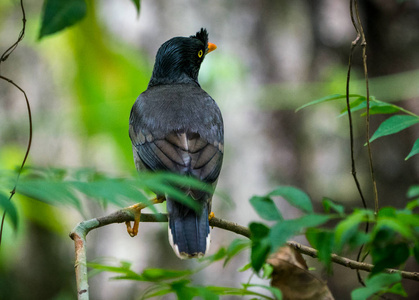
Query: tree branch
[80,232]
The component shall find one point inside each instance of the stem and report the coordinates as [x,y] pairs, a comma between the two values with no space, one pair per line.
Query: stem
[80,232]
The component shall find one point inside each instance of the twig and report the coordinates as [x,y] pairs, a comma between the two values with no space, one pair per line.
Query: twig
[367,119]
[12,48]
[360,36]
[80,232]
[3,58]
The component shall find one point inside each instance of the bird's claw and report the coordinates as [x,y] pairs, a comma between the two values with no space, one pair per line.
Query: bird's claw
[136,210]
[211,216]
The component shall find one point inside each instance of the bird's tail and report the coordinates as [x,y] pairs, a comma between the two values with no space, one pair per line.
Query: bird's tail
[189,232]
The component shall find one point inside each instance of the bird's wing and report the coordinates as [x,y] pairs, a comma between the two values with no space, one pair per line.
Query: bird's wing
[182,152]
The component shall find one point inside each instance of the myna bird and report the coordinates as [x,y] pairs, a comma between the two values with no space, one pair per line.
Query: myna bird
[176,126]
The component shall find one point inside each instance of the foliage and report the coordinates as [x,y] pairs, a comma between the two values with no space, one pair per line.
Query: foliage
[392,240]
[63,187]
[180,282]
[58,15]
[393,124]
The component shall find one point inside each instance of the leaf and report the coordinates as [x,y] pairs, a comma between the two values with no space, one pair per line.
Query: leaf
[267,271]
[220,254]
[182,290]
[291,276]
[379,107]
[387,249]
[390,256]
[294,196]
[357,104]
[414,151]
[323,241]
[260,244]
[396,225]
[327,98]
[266,208]
[394,124]
[379,283]
[157,275]
[245,267]
[221,290]
[137,4]
[376,107]
[51,192]
[328,205]
[413,191]
[123,269]
[348,228]
[275,291]
[236,246]
[58,14]
[9,208]
[283,230]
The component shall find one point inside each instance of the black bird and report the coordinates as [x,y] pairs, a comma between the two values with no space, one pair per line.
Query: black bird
[176,126]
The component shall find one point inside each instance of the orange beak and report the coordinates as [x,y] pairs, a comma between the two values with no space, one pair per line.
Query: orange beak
[211,47]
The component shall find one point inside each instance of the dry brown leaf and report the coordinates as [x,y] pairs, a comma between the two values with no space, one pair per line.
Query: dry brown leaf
[291,276]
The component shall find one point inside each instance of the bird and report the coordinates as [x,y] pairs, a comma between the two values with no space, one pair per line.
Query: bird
[176,126]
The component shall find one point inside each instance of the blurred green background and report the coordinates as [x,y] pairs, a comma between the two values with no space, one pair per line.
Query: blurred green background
[272,57]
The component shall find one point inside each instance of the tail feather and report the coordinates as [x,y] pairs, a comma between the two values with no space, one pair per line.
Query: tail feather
[189,232]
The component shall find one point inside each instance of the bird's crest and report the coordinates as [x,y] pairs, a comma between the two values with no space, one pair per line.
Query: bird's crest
[201,35]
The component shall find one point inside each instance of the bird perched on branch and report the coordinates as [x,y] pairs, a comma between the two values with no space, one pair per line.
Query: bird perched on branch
[176,126]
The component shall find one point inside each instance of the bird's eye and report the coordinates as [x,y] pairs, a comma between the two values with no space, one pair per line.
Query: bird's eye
[200,53]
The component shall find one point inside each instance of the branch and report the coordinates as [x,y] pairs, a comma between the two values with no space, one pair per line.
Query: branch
[3,58]
[80,232]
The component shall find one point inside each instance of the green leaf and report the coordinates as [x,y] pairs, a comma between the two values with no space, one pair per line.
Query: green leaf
[323,241]
[58,14]
[49,191]
[182,290]
[327,98]
[414,151]
[413,191]
[379,283]
[10,209]
[379,107]
[329,205]
[394,124]
[245,267]
[266,208]
[388,250]
[390,256]
[294,196]
[236,246]
[220,254]
[221,290]
[376,107]
[123,269]
[355,105]
[258,231]
[396,225]
[348,228]
[260,244]
[157,275]
[275,291]
[137,4]
[283,230]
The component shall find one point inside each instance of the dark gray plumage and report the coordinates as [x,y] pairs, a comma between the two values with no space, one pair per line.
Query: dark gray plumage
[176,126]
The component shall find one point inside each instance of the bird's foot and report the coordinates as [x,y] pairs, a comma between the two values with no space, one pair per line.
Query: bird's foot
[136,210]
[211,215]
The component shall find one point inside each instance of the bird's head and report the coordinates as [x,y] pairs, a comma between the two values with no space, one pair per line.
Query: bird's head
[178,60]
